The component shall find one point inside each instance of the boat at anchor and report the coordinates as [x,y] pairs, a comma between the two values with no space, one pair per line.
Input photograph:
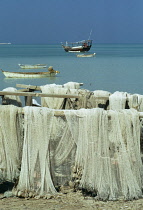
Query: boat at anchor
[86,55]
[81,46]
[51,72]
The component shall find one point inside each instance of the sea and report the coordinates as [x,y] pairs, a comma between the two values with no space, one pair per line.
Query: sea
[116,67]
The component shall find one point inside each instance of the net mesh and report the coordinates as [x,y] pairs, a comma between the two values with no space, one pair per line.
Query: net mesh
[35,178]
[53,102]
[59,103]
[100,99]
[62,151]
[136,101]
[102,147]
[117,100]
[108,152]
[11,99]
[10,143]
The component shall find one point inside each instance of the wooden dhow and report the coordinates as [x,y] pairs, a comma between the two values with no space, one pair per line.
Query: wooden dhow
[81,46]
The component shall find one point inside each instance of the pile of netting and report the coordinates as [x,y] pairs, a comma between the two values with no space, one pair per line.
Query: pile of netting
[104,148]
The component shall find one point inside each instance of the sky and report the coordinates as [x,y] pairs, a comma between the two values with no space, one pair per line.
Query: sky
[56,21]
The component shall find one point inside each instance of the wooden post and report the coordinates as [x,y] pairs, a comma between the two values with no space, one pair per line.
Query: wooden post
[28,100]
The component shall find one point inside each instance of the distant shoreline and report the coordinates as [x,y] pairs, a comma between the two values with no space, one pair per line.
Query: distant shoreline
[6,43]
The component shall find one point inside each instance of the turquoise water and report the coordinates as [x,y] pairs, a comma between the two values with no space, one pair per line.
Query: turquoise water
[116,67]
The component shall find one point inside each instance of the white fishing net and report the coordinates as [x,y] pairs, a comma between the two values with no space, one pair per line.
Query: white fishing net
[135,101]
[53,102]
[10,143]
[72,85]
[62,139]
[108,152]
[11,99]
[99,98]
[117,100]
[84,99]
[59,103]
[35,177]
[62,151]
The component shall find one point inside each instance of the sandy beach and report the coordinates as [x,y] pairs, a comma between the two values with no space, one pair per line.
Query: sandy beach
[67,201]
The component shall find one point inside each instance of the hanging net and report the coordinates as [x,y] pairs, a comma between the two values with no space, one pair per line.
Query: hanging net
[62,151]
[53,102]
[117,100]
[136,101]
[108,152]
[11,99]
[10,143]
[35,177]
[99,98]
[59,103]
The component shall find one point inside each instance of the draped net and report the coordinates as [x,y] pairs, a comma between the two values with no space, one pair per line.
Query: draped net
[108,152]
[62,151]
[99,98]
[11,99]
[104,146]
[117,100]
[35,177]
[10,143]
[136,101]
[53,102]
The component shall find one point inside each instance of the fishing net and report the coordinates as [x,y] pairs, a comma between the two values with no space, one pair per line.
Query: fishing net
[53,102]
[100,98]
[108,152]
[72,85]
[83,101]
[88,99]
[84,98]
[11,99]
[117,100]
[59,103]
[10,143]
[35,177]
[62,151]
[136,101]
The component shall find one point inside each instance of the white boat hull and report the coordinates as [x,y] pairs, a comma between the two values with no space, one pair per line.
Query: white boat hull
[86,55]
[28,74]
[36,66]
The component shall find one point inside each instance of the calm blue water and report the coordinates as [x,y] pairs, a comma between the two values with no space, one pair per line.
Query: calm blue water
[116,67]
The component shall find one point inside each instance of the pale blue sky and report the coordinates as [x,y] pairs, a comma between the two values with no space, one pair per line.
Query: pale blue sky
[55,21]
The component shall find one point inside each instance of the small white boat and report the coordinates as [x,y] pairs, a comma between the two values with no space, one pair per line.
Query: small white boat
[86,55]
[35,66]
